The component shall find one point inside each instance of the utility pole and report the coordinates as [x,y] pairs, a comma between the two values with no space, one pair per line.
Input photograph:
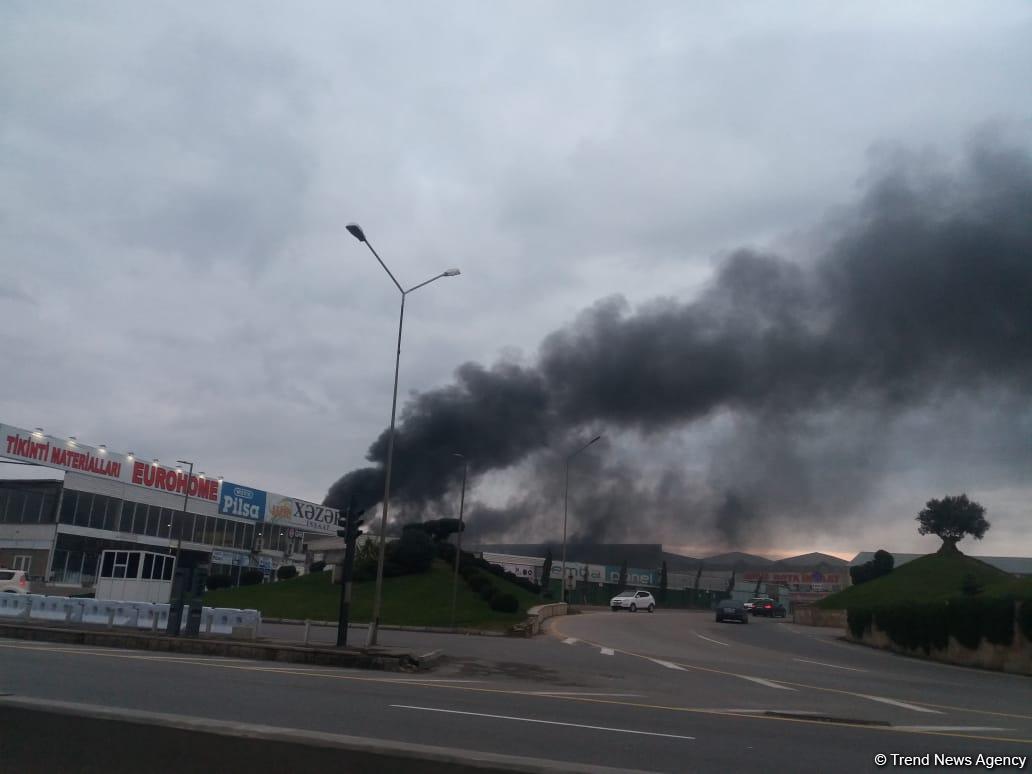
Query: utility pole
[458,539]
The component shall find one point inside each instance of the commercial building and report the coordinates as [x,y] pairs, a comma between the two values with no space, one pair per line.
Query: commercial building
[56,530]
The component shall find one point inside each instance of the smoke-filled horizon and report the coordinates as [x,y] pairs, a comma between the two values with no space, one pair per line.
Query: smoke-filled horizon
[792,381]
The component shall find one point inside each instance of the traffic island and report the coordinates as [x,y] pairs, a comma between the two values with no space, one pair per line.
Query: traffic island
[385,659]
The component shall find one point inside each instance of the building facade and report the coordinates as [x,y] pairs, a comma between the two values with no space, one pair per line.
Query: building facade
[56,530]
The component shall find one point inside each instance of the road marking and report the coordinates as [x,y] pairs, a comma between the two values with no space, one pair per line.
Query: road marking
[545,722]
[768,683]
[833,666]
[667,664]
[351,676]
[951,728]
[702,637]
[570,641]
[580,693]
[607,651]
[897,703]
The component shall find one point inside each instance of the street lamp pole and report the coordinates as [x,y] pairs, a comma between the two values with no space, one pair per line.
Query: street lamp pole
[186,501]
[356,231]
[566,509]
[458,542]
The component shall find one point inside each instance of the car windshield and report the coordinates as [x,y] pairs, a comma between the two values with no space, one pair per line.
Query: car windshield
[625,594]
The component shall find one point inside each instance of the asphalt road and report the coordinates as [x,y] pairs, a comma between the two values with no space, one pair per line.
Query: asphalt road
[663,692]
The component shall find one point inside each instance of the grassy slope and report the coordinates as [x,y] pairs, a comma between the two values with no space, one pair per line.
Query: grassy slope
[928,579]
[412,600]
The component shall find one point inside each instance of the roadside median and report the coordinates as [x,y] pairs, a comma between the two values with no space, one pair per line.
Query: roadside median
[385,659]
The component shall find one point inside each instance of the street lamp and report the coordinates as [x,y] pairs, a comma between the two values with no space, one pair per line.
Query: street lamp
[186,500]
[566,508]
[458,542]
[356,231]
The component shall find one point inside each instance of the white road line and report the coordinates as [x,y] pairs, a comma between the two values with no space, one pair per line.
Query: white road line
[428,680]
[570,641]
[579,693]
[768,683]
[833,666]
[668,664]
[607,651]
[896,703]
[718,642]
[545,722]
[950,728]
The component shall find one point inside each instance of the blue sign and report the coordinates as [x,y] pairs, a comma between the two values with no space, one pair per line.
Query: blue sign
[236,500]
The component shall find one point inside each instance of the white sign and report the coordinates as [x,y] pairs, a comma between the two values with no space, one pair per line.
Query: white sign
[286,511]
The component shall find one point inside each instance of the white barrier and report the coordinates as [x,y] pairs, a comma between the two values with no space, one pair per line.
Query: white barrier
[148,616]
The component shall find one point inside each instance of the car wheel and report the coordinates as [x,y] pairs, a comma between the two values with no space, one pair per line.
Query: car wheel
[614,609]
[652,608]
[719,619]
[745,620]
[634,608]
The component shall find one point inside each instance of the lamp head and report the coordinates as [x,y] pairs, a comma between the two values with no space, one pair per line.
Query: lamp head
[356,231]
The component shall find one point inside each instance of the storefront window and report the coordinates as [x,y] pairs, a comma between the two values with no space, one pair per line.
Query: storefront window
[83,507]
[15,506]
[68,506]
[164,522]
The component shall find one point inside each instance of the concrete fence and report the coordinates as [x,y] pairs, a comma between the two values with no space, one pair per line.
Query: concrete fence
[148,616]
[537,615]
[809,615]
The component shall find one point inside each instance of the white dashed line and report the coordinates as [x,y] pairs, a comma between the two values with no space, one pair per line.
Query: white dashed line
[607,651]
[570,641]
[768,683]
[950,728]
[668,664]
[718,642]
[896,703]
[833,666]
[545,722]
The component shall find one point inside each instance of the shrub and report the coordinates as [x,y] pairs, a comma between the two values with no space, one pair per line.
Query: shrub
[1025,619]
[286,572]
[998,620]
[219,582]
[477,581]
[969,586]
[251,577]
[965,620]
[317,566]
[859,621]
[446,551]
[505,603]
[414,552]
[487,591]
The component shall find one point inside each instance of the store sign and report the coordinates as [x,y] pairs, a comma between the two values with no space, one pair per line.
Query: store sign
[61,453]
[236,500]
[219,556]
[792,578]
[159,477]
[303,515]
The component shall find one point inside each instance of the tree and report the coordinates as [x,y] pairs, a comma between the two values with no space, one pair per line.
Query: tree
[663,582]
[880,565]
[546,571]
[623,574]
[951,518]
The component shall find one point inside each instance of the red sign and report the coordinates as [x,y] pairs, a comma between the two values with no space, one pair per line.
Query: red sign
[60,456]
[157,477]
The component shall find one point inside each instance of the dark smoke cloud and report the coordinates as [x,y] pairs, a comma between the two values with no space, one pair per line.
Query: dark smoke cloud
[922,296]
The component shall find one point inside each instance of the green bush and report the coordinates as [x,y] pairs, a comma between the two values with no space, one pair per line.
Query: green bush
[1025,619]
[998,620]
[218,581]
[317,566]
[414,552]
[505,603]
[286,572]
[251,577]
[965,620]
[487,591]
[859,620]
[477,581]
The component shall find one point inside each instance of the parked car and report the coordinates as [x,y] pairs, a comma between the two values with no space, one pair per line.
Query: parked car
[13,582]
[751,603]
[732,610]
[768,607]
[633,601]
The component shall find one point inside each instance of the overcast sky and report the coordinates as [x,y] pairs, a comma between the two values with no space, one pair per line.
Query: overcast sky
[176,278]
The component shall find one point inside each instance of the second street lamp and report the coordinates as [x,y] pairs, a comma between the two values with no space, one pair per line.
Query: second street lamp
[356,231]
[458,538]
[566,508]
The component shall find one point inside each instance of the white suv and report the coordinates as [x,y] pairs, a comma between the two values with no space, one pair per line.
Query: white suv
[13,582]
[633,601]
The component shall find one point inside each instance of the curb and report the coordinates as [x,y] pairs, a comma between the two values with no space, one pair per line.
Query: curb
[378,659]
[390,627]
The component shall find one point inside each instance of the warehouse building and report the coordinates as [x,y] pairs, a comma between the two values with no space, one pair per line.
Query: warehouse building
[56,529]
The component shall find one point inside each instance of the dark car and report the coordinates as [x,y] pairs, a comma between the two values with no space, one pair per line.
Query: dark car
[731,610]
[768,607]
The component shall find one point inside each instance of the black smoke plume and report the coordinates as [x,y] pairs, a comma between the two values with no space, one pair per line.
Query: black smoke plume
[920,299]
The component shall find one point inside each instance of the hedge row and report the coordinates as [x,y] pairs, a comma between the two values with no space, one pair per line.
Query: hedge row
[928,626]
